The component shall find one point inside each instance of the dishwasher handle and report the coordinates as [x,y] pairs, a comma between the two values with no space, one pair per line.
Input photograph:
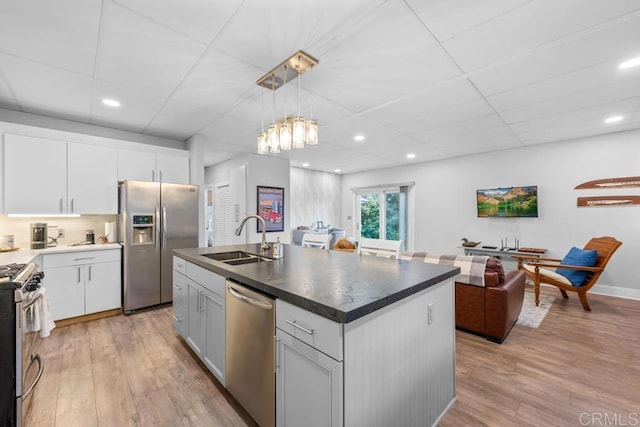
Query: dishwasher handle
[256,303]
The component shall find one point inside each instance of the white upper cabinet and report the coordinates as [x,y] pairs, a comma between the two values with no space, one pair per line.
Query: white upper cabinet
[92,179]
[136,166]
[48,176]
[172,169]
[35,175]
[145,166]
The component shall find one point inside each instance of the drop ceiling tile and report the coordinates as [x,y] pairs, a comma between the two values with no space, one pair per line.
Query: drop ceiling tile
[142,54]
[368,66]
[59,34]
[45,88]
[137,109]
[232,131]
[180,121]
[284,27]
[606,44]
[528,27]
[602,95]
[199,19]
[599,75]
[218,82]
[475,144]
[425,101]
[579,118]
[447,19]
[423,126]
[479,138]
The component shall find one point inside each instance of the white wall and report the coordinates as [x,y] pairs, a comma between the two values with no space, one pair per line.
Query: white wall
[445,204]
[261,170]
[315,196]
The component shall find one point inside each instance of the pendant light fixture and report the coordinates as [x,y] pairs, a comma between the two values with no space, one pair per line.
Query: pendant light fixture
[287,132]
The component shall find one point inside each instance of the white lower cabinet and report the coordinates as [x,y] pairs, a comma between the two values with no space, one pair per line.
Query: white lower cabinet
[309,368]
[205,317]
[308,385]
[80,283]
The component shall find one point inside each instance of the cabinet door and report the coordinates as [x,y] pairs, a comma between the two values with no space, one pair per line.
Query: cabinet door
[92,179]
[308,385]
[65,288]
[172,169]
[136,166]
[102,287]
[195,332]
[179,302]
[35,177]
[214,325]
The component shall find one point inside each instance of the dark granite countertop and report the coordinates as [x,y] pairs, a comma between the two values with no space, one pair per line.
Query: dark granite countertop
[337,285]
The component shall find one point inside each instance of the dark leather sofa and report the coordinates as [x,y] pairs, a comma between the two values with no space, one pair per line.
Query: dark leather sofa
[492,310]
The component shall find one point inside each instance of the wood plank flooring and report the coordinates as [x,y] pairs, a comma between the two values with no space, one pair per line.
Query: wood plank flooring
[577,368]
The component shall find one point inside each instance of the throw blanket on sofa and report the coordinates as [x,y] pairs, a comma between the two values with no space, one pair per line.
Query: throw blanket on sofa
[471,267]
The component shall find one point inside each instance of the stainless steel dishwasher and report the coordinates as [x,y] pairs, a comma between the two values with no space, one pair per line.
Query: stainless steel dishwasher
[250,351]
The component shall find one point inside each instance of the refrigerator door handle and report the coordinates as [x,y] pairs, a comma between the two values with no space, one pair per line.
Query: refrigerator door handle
[164,226]
[157,229]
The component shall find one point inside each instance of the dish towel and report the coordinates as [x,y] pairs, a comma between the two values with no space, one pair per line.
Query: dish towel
[43,311]
[38,316]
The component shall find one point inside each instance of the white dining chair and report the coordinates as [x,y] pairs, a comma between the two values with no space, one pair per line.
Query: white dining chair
[320,241]
[379,247]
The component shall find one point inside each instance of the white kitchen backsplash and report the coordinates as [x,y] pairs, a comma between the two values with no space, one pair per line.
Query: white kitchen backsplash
[315,196]
[74,228]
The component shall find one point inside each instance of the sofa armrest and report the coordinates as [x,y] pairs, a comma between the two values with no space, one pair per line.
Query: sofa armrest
[503,304]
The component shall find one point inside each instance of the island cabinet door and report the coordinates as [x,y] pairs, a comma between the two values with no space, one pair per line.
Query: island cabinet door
[214,324]
[308,385]
[195,331]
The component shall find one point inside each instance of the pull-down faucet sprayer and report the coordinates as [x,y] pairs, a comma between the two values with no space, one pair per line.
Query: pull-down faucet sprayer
[264,245]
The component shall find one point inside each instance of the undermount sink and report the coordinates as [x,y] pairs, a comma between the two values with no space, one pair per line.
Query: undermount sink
[236,257]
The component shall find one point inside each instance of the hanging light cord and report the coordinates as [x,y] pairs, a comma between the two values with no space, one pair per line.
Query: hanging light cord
[262,107]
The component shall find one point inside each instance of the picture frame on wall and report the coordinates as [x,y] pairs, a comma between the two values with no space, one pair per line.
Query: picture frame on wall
[270,205]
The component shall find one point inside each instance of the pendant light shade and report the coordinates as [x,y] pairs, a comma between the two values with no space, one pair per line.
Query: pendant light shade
[263,147]
[312,131]
[285,136]
[274,139]
[298,132]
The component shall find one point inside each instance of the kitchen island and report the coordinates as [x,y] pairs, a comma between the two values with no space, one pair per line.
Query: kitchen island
[360,340]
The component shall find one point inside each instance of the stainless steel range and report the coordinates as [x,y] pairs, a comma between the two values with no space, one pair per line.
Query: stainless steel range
[21,366]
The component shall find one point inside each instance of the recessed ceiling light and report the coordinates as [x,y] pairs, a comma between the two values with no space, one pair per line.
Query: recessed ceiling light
[111,102]
[306,165]
[411,156]
[630,63]
[613,119]
[337,170]
[358,138]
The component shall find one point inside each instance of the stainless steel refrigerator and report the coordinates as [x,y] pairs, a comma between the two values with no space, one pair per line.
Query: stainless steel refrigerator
[154,218]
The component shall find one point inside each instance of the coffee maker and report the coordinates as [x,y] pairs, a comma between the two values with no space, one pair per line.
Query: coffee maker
[39,235]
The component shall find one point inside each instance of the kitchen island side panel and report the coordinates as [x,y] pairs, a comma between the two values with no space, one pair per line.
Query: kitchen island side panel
[399,366]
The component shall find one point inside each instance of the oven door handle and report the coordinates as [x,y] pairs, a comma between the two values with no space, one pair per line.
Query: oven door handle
[34,358]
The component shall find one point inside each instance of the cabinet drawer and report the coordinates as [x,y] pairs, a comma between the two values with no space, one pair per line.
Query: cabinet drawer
[179,265]
[317,331]
[77,258]
[208,279]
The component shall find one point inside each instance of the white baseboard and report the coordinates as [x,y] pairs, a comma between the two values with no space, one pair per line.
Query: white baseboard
[611,291]
[615,291]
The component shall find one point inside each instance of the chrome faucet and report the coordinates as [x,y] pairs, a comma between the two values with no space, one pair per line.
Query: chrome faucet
[264,245]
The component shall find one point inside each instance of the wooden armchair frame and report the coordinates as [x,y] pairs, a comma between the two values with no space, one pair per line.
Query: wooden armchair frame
[605,246]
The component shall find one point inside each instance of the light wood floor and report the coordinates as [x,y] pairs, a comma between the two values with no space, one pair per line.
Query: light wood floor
[576,369]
